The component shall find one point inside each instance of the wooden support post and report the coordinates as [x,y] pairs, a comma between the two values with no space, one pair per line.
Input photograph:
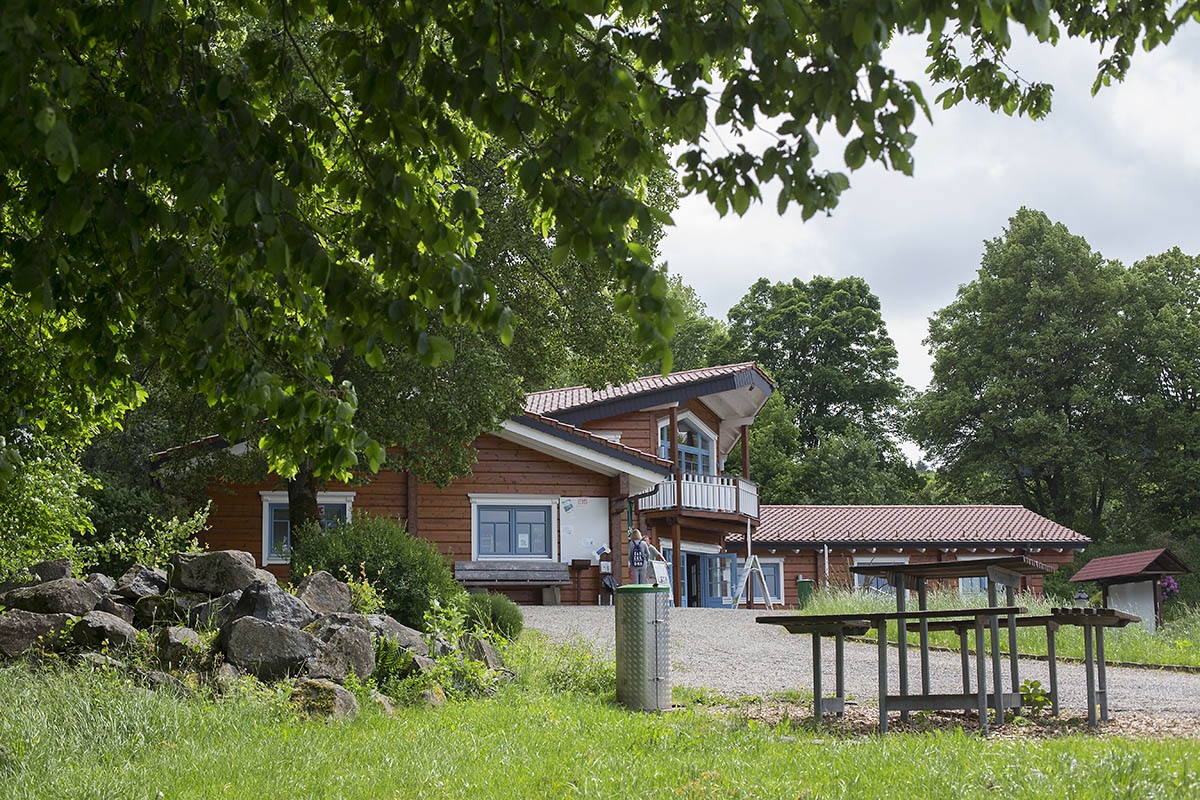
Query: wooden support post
[676,562]
[674,417]
[1091,675]
[901,636]
[818,717]
[923,602]
[966,659]
[980,676]
[883,675]
[997,683]
[1052,663]
[1010,598]
[839,658]
[746,452]
[1101,674]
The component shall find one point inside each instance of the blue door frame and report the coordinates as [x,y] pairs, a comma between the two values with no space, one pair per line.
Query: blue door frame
[718,571]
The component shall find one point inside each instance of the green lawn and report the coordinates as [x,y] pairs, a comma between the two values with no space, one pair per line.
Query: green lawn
[1178,642]
[85,734]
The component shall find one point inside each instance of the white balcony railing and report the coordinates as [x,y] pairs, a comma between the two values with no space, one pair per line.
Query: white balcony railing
[731,495]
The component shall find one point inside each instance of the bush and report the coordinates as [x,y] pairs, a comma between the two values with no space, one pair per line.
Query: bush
[576,668]
[410,572]
[494,613]
[152,546]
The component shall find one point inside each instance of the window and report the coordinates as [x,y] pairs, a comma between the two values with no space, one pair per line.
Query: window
[514,530]
[772,573]
[973,585]
[333,508]
[870,582]
[695,446]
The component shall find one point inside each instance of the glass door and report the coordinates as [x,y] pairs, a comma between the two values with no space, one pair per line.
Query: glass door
[718,580]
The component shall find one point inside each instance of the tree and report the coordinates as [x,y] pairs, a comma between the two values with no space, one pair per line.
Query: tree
[826,344]
[238,190]
[1026,393]
[700,340]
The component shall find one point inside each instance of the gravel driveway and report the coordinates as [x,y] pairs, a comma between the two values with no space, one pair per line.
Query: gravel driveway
[727,652]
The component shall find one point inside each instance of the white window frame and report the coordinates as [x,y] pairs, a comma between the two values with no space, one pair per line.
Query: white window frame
[513,500]
[867,561]
[690,417]
[767,560]
[344,498]
[972,557]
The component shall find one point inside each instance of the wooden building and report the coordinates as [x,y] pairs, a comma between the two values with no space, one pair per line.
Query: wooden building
[822,543]
[561,481]
[1132,582]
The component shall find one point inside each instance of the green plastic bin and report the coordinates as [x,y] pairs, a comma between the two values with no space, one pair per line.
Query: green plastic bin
[804,591]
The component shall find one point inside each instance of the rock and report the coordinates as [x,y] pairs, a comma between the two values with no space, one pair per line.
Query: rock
[388,628]
[324,593]
[384,703]
[226,673]
[182,603]
[177,644]
[420,665]
[100,582]
[340,621]
[110,606]
[270,603]
[482,650]
[101,661]
[21,630]
[266,577]
[141,581]
[216,613]
[432,697]
[219,572]
[325,699]
[54,570]
[342,650]
[98,627]
[152,608]
[61,596]
[267,649]
[159,681]
[442,647]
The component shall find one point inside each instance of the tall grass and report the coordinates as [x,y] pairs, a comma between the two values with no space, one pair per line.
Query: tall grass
[82,735]
[1176,643]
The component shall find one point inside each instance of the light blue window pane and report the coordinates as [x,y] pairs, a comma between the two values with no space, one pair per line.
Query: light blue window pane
[279,542]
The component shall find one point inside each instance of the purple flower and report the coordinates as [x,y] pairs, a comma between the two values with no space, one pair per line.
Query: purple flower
[1169,586]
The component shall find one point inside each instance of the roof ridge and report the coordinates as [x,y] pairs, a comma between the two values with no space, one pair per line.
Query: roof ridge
[653,457]
[608,386]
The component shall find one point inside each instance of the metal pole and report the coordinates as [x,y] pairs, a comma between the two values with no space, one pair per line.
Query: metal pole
[997,684]
[1091,676]
[980,676]
[923,602]
[1101,674]
[883,675]
[818,717]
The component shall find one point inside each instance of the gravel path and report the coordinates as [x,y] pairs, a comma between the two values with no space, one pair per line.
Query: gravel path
[727,652]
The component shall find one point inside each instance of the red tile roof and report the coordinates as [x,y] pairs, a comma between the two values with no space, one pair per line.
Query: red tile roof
[1128,565]
[585,434]
[949,524]
[552,400]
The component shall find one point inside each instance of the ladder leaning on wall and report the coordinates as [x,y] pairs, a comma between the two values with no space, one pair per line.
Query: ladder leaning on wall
[751,569]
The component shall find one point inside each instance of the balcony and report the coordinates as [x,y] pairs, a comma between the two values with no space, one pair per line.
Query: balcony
[729,495]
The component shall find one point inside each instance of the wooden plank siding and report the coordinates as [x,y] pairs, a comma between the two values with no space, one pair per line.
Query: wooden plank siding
[636,428]
[443,513]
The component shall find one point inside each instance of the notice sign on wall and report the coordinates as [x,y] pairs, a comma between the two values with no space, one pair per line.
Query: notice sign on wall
[583,527]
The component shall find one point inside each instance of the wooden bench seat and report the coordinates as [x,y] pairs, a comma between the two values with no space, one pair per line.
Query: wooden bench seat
[512,573]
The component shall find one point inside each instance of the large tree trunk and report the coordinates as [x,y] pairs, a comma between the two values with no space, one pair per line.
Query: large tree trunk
[302,501]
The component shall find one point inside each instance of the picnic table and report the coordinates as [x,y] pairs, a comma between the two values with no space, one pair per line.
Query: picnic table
[1006,571]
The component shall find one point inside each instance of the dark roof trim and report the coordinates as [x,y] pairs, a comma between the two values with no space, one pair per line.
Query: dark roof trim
[621,454]
[893,544]
[612,407]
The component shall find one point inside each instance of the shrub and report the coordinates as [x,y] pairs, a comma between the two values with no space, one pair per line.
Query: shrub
[577,668]
[152,546]
[410,572]
[494,613]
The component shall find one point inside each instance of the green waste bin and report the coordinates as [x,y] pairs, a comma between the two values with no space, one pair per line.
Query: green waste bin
[804,591]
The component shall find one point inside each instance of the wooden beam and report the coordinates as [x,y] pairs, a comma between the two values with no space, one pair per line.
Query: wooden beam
[746,452]
[674,417]
[676,560]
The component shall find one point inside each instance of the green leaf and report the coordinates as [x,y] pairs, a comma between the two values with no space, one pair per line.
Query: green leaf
[856,154]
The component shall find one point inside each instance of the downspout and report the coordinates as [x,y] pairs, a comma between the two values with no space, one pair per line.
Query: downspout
[629,508]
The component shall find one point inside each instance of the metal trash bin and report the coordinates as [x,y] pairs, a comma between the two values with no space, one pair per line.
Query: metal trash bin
[643,663]
[804,592]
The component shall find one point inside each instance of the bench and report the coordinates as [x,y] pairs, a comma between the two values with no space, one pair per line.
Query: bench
[512,573]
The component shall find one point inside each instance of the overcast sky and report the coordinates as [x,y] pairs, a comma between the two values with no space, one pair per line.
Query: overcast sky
[1121,169]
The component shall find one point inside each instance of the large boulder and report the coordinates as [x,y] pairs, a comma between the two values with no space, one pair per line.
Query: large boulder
[219,572]
[267,649]
[111,606]
[386,627]
[101,582]
[216,613]
[343,649]
[62,596]
[141,581]
[324,698]
[52,570]
[21,630]
[482,650]
[177,644]
[268,602]
[98,628]
[324,593]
